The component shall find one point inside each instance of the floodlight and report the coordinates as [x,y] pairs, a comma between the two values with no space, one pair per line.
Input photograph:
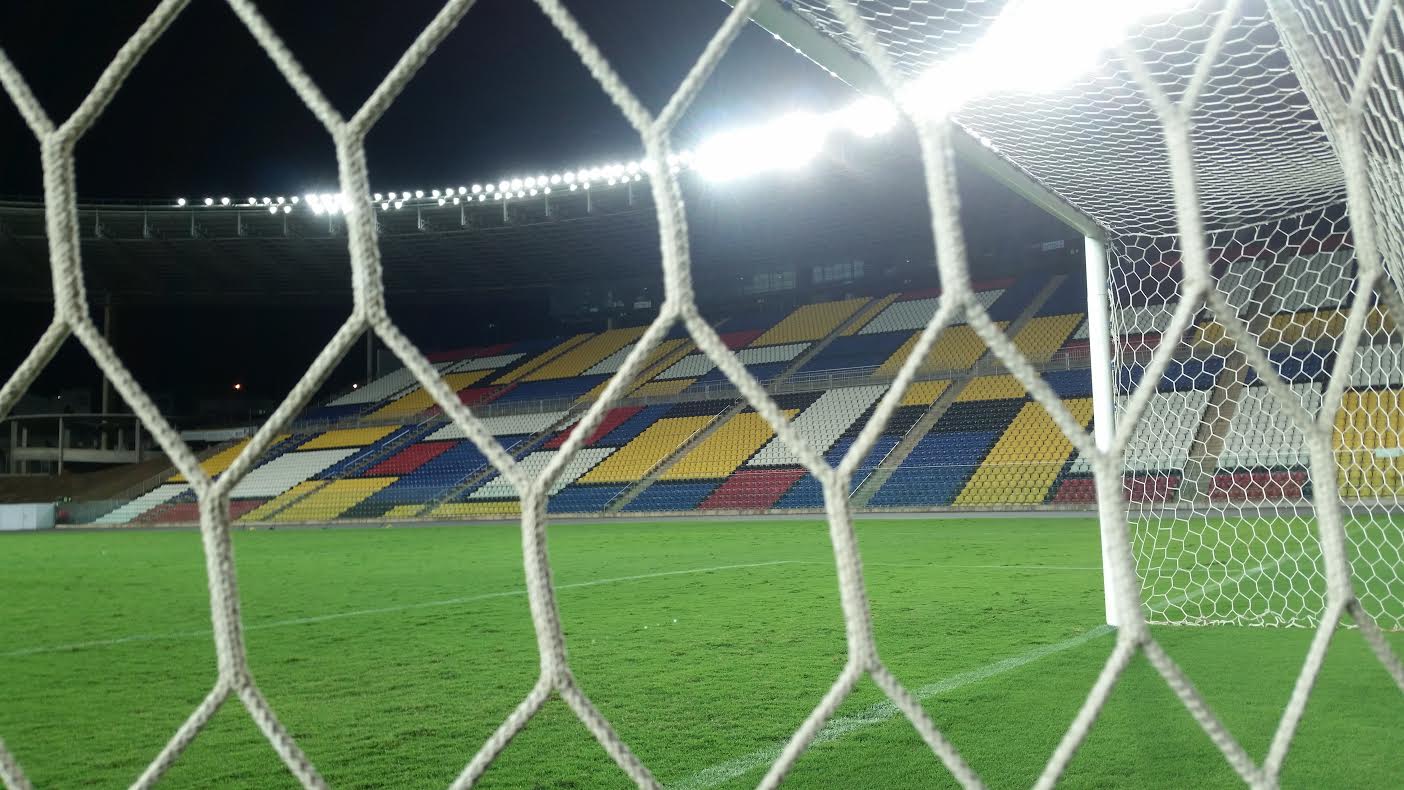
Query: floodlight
[456,200]
[533,192]
[385,206]
[530,182]
[477,189]
[503,186]
[441,200]
[787,143]
[481,198]
[399,204]
[272,209]
[287,209]
[436,193]
[280,201]
[294,199]
[463,190]
[569,177]
[378,197]
[867,117]
[573,187]
[224,201]
[546,190]
[516,183]
[1031,48]
[209,201]
[419,193]
[555,178]
[253,201]
[180,201]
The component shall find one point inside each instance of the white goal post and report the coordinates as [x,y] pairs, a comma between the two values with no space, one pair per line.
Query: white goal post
[1240,160]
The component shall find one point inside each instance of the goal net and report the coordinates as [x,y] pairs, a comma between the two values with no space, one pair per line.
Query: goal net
[1245,125]
[1239,162]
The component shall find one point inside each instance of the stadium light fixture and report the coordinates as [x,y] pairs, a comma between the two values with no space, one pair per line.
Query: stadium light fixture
[436,193]
[280,200]
[419,194]
[1031,47]
[399,204]
[287,209]
[209,201]
[180,201]
[294,200]
[224,201]
[533,192]
[441,200]
[272,209]
[503,186]
[787,143]
[378,197]
[457,200]
[477,189]
[481,198]
[516,183]
[384,206]
[555,178]
[253,201]
[463,190]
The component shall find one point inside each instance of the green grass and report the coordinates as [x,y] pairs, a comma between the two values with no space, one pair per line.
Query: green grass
[695,669]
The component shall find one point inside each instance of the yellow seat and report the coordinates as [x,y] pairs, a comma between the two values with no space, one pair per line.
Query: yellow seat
[1044,335]
[334,498]
[348,437]
[957,348]
[1369,421]
[586,355]
[1024,464]
[1004,387]
[810,322]
[634,460]
[724,449]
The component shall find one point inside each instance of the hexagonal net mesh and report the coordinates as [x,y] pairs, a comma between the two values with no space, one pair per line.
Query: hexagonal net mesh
[1251,114]
[1211,170]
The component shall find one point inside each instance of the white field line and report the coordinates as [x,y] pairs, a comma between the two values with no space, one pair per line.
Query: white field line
[884,711]
[322,618]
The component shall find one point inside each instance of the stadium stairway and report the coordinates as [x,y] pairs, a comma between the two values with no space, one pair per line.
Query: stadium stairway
[857,315]
[519,451]
[377,453]
[895,457]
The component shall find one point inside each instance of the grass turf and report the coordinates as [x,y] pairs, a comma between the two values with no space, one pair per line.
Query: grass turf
[391,655]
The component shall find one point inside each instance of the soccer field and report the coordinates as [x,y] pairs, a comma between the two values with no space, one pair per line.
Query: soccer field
[392,654]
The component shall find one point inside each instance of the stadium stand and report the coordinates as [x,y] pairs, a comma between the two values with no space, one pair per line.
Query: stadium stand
[964,435]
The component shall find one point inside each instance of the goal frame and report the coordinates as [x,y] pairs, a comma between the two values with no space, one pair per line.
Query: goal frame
[788,27]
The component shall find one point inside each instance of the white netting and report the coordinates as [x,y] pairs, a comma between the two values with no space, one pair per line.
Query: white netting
[1200,123]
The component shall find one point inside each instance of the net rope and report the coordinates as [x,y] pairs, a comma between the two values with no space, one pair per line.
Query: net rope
[1344,165]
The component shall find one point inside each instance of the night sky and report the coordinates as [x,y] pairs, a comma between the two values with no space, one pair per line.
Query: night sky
[205,112]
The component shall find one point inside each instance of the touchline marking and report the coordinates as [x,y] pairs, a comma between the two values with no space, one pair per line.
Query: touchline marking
[884,711]
[878,713]
[322,618]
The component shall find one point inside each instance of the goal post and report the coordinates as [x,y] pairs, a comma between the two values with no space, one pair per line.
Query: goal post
[1099,332]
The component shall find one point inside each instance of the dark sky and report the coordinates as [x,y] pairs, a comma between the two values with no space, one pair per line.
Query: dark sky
[205,112]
